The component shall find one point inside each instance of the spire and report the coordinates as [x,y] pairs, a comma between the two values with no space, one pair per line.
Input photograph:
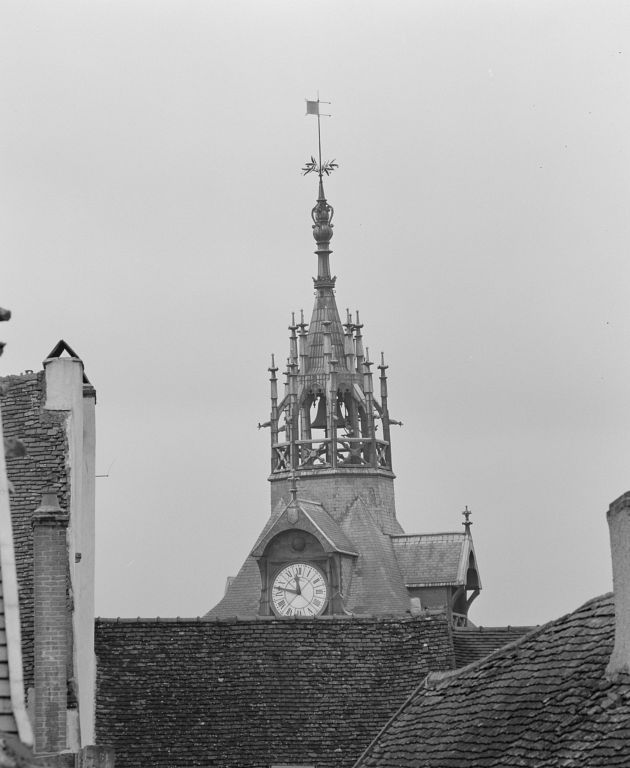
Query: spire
[325,318]
[330,411]
[322,215]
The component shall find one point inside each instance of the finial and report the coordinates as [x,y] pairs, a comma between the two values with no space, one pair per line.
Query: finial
[5,314]
[293,488]
[322,214]
[467,513]
[293,341]
[272,369]
[348,324]
[383,367]
[316,166]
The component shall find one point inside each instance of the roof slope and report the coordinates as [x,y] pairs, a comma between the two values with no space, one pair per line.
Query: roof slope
[542,701]
[376,584]
[258,692]
[430,559]
[475,643]
[13,717]
[325,318]
[43,433]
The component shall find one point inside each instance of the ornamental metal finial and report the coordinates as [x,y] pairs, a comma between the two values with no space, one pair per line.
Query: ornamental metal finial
[323,212]
[292,511]
[316,166]
[467,513]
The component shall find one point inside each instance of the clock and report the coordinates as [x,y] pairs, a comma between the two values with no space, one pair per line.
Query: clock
[299,589]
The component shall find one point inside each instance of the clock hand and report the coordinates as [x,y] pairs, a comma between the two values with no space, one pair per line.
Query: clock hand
[297,585]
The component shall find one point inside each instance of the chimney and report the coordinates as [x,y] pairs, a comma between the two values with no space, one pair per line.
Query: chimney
[50,573]
[618,517]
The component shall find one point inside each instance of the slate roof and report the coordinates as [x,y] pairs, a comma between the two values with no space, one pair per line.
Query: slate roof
[324,311]
[315,516]
[541,702]
[432,559]
[328,527]
[43,433]
[13,717]
[474,643]
[376,587]
[257,692]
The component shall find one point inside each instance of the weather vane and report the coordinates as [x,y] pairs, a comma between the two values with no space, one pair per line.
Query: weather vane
[316,166]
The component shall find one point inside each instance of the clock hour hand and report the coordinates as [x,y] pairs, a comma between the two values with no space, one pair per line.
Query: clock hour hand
[297,586]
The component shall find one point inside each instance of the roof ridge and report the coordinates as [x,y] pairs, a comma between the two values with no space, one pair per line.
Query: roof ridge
[365,618]
[440,679]
[503,628]
[310,501]
[427,535]
[447,677]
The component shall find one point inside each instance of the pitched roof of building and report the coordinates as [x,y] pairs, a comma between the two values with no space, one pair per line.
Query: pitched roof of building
[310,515]
[13,717]
[328,527]
[472,643]
[541,701]
[432,559]
[43,433]
[257,692]
[375,585]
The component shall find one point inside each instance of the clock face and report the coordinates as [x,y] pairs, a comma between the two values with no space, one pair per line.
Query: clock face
[299,589]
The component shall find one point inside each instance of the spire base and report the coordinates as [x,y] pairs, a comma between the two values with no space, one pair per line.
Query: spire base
[324,282]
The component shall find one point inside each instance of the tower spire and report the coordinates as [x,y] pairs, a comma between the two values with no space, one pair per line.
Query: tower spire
[329,408]
[322,214]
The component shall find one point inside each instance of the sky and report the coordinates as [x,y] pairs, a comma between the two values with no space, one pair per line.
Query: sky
[153,215]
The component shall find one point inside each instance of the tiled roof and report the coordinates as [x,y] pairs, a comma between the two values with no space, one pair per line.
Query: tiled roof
[540,702]
[257,692]
[311,516]
[325,309]
[474,643]
[430,559]
[376,584]
[43,433]
[328,527]
[242,596]
[13,717]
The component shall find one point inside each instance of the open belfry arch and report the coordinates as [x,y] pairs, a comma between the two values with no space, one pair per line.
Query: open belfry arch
[333,516]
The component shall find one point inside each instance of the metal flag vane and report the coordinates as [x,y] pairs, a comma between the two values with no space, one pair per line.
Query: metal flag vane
[317,166]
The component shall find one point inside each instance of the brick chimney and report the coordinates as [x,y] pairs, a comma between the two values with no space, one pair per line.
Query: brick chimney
[618,517]
[50,574]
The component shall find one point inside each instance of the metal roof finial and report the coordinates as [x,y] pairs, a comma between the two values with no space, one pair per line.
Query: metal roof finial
[467,513]
[322,214]
[293,488]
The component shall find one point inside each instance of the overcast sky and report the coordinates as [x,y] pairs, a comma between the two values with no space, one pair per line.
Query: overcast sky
[152,213]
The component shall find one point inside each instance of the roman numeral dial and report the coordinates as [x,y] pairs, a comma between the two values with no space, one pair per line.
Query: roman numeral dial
[299,589]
